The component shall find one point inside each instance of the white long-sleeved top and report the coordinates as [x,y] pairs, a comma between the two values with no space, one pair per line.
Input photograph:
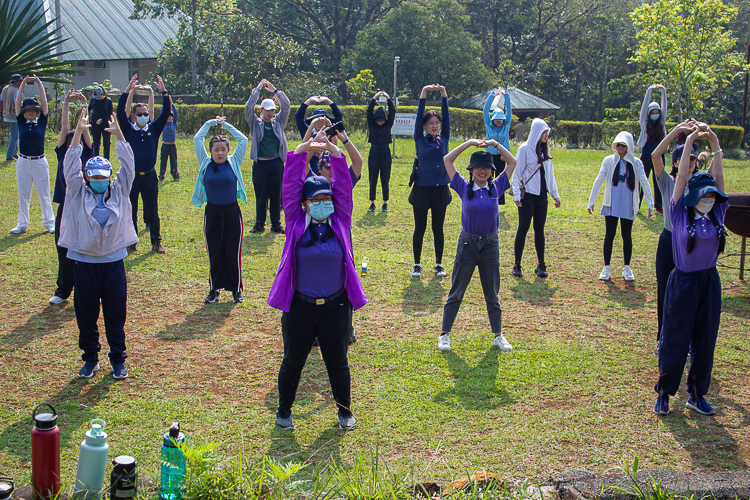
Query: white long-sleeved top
[527,163]
[607,171]
[644,114]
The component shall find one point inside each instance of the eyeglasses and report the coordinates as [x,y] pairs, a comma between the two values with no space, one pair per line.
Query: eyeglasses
[621,145]
[142,114]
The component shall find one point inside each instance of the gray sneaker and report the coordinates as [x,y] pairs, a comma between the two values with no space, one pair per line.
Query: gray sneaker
[346,423]
[285,423]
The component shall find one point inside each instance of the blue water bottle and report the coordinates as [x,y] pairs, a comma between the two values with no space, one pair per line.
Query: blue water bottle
[92,463]
[173,465]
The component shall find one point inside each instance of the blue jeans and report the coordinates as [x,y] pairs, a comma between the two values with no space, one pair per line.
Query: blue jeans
[472,252]
[13,144]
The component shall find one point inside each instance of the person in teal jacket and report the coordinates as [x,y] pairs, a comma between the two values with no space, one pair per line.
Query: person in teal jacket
[497,125]
[220,185]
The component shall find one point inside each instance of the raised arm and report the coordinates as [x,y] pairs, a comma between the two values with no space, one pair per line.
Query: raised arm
[717,161]
[199,141]
[72,161]
[354,153]
[643,119]
[129,105]
[371,109]
[151,102]
[42,95]
[299,116]
[126,174]
[161,122]
[646,188]
[445,129]
[656,156]
[488,108]
[338,115]
[508,114]
[507,156]
[65,119]
[419,121]
[683,171]
[451,157]
[391,111]
[19,95]
[250,117]
[239,151]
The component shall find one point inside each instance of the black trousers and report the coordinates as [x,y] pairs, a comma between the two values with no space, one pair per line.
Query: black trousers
[532,209]
[147,186]
[168,151]
[379,162]
[648,166]
[65,266]
[691,324]
[499,167]
[610,228]
[664,266]
[105,282]
[267,177]
[223,227]
[99,135]
[300,326]
[420,227]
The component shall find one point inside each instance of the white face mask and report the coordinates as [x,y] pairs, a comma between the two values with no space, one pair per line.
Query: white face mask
[142,121]
[705,205]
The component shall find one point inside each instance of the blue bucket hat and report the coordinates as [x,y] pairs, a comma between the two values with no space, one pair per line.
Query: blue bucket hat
[677,153]
[98,166]
[699,185]
[16,78]
[498,114]
[315,185]
[317,112]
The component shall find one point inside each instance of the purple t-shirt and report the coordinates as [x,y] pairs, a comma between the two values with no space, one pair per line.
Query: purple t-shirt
[479,215]
[706,249]
[320,267]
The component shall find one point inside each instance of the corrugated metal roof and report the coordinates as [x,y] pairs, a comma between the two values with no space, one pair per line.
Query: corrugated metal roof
[101,31]
[519,99]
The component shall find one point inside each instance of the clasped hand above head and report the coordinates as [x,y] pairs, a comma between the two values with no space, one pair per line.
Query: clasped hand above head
[318,144]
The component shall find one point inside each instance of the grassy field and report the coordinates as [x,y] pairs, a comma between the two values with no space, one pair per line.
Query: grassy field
[576,392]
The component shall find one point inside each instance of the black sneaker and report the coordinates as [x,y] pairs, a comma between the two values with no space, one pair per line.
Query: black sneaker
[417,271]
[284,422]
[213,296]
[372,207]
[131,248]
[315,342]
[352,337]
[516,272]
[237,297]
[258,228]
[346,422]
[541,271]
[277,229]
[385,208]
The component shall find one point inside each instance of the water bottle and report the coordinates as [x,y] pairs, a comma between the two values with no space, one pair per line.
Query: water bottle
[6,488]
[364,266]
[92,462]
[173,464]
[45,454]
[124,478]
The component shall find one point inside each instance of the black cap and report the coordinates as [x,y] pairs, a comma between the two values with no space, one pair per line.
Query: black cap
[379,113]
[32,103]
[699,185]
[481,159]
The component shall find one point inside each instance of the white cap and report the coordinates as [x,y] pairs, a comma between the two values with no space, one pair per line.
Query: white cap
[267,104]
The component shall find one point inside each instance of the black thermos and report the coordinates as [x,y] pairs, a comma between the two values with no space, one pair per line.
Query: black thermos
[124,478]
[6,488]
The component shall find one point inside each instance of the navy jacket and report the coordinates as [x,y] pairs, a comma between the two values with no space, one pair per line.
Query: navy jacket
[144,142]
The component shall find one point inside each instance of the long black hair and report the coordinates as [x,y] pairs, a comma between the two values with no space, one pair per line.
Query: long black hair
[542,150]
[691,230]
[631,176]
[654,128]
[470,194]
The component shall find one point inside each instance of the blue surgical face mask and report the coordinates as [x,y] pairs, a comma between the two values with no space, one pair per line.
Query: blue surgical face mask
[99,185]
[320,210]
[655,116]
[142,121]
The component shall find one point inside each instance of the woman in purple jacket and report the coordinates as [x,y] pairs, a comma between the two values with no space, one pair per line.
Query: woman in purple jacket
[316,282]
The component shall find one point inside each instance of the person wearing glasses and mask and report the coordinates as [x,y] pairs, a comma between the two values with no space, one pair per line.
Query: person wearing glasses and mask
[620,172]
[143,134]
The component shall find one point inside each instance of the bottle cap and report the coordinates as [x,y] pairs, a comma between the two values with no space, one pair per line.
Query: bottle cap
[174,434]
[124,464]
[96,435]
[45,421]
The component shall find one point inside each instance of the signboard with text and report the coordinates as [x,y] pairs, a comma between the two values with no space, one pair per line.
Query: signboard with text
[404,124]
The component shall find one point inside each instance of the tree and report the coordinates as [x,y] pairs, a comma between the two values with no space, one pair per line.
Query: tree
[26,45]
[233,54]
[684,45]
[362,86]
[433,45]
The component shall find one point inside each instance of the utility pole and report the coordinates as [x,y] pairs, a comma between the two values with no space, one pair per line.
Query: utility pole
[395,99]
[58,24]
[744,102]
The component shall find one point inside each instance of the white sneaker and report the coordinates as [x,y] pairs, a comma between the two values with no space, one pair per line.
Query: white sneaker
[606,274]
[56,300]
[417,272]
[444,343]
[439,271]
[19,229]
[627,273]
[501,343]
[51,230]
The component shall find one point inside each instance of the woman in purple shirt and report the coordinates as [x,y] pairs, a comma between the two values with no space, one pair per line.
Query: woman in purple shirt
[316,282]
[478,244]
[692,308]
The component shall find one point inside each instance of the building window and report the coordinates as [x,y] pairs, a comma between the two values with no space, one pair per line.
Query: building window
[79,70]
[100,64]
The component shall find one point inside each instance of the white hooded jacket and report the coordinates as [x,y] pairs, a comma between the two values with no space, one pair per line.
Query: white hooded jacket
[608,168]
[527,163]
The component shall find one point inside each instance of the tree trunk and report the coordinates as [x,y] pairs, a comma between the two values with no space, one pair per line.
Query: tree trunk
[194,23]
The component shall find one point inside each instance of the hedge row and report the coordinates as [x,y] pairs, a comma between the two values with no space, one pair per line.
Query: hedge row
[586,134]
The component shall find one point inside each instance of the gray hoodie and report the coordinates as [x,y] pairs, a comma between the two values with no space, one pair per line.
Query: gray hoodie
[278,122]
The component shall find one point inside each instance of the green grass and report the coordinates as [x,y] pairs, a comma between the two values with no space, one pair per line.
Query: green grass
[575,393]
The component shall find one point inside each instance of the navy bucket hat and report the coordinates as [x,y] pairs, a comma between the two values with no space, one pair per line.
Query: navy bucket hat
[677,153]
[317,113]
[699,185]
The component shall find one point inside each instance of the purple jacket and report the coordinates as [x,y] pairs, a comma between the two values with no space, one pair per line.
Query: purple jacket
[284,285]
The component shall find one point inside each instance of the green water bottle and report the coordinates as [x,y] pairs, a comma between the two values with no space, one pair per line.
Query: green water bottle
[173,466]
[92,463]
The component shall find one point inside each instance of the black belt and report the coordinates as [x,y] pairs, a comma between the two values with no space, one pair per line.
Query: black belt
[144,173]
[31,157]
[322,301]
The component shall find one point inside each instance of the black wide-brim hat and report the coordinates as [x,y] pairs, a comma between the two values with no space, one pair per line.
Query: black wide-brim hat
[699,185]
[481,159]
[317,113]
[31,103]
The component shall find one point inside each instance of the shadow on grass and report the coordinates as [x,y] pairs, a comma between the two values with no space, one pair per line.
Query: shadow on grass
[475,388]
[258,244]
[707,441]
[627,296]
[36,327]
[201,323]
[7,242]
[655,224]
[418,299]
[503,221]
[326,448]
[535,292]
[134,262]
[736,305]
[75,404]
[378,219]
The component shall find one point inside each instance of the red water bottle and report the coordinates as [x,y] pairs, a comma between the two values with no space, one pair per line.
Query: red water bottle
[45,454]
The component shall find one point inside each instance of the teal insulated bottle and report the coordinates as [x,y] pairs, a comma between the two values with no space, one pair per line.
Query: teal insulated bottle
[173,464]
[92,463]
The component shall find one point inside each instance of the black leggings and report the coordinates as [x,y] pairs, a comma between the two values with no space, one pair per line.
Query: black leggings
[420,226]
[527,212]
[610,223]
[379,163]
